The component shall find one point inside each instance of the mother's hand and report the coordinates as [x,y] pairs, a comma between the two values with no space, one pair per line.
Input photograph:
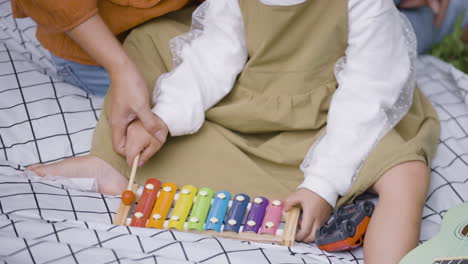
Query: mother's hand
[129,94]
[438,6]
[130,101]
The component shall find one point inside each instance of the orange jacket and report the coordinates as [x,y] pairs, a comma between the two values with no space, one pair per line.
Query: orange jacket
[54,17]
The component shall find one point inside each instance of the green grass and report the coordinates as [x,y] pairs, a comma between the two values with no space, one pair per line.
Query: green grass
[452,49]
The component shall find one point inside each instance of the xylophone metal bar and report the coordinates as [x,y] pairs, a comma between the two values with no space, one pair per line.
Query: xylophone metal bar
[182,207]
[200,209]
[162,206]
[147,199]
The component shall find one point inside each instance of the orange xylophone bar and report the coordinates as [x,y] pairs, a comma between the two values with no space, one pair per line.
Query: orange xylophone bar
[207,217]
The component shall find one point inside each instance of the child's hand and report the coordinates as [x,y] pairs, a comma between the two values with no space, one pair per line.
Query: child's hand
[139,140]
[315,212]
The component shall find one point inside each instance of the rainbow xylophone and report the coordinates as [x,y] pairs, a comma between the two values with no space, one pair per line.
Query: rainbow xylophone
[203,210]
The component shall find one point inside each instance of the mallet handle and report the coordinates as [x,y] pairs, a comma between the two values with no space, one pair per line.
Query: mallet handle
[133,173]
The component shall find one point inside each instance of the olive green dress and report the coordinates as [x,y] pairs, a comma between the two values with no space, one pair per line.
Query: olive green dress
[255,139]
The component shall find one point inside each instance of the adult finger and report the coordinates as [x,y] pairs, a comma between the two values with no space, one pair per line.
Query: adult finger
[306,226]
[119,138]
[152,125]
[149,151]
[119,133]
[439,18]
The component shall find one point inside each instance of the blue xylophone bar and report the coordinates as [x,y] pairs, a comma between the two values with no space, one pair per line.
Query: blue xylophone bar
[236,213]
[218,211]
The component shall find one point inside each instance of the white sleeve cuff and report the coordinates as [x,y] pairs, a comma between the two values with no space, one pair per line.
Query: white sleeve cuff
[321,187]
[173,117]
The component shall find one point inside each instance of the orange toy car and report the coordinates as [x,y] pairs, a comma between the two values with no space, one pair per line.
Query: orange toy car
[346,227]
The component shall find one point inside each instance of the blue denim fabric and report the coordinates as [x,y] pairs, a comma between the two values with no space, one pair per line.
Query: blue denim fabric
[422,20]
[93,79]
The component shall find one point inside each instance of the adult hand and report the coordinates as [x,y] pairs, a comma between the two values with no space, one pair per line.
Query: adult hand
[129,94]
[438,6]
[130,101]
[315,212]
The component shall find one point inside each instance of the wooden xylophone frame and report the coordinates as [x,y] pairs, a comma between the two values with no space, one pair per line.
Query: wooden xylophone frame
[287,238]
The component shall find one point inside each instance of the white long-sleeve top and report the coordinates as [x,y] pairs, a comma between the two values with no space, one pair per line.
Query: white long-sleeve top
[375,84]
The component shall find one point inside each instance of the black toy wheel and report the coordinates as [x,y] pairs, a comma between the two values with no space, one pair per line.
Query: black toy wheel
[340,212]
[319,232]
[367,207]
[348,228]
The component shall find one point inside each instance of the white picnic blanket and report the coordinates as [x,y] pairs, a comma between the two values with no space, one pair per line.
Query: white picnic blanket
[44,120]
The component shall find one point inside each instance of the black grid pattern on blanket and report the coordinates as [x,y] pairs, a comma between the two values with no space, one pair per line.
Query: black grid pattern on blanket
[32,127]
[59,115]
[74,227]
[44,120]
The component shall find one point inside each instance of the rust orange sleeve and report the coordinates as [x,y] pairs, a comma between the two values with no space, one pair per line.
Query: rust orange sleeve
[56,15]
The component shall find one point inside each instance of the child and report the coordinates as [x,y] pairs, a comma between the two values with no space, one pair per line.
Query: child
[254,89]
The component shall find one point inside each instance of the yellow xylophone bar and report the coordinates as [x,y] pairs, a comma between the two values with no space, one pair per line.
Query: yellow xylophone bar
[182,207]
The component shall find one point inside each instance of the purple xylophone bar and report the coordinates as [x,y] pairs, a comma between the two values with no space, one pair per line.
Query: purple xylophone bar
[254,219]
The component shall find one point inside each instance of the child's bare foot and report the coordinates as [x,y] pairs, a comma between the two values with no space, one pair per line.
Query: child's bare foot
[109,180]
